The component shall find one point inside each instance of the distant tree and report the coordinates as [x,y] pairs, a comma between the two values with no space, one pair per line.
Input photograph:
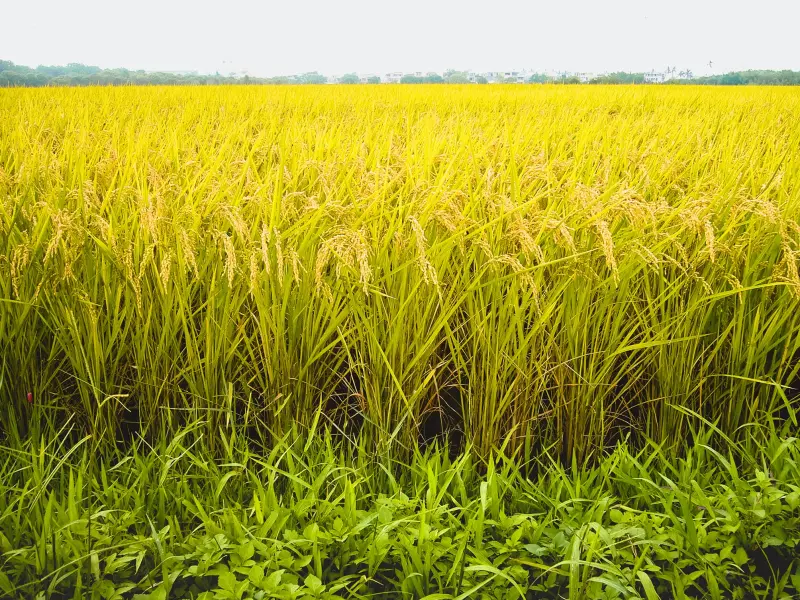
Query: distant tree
[732,79]
[481,79]
[411,79]
[312,77]
[433,78]
[349,78]
[373,79]
[619,77]
[538,78]
[456,77]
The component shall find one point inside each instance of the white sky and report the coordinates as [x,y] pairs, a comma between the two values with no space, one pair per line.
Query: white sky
[270,37]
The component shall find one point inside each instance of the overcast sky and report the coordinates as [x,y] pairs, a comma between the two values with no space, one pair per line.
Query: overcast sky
[377,36]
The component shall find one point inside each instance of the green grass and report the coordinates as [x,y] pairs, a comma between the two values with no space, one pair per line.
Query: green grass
[305,517]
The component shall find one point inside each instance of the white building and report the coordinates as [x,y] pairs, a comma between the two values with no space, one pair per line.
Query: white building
[394,77]
[653,77]
[513,76]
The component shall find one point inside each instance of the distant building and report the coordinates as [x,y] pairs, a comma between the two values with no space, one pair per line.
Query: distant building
[394,77]
[653,77]
[500,76]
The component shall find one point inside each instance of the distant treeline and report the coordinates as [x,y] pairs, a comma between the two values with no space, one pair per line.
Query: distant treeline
[76,74]
[784,77]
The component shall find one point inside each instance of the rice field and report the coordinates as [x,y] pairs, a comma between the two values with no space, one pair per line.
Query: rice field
[552,278]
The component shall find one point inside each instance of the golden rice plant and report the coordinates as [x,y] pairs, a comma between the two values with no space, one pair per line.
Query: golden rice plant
[544,267]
